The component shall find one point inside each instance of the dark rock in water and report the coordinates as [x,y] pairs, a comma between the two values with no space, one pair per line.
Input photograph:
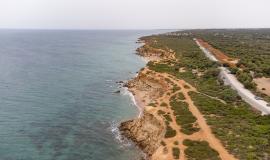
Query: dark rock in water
[125,85]
[120,82]
[117,91]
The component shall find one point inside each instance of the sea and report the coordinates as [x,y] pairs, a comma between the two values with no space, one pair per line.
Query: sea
[59,99]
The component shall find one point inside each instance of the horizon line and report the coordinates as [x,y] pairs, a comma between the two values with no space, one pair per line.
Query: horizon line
[130,29]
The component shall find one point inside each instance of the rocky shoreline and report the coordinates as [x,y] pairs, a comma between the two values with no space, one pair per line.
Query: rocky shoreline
[145,131]
[148,130]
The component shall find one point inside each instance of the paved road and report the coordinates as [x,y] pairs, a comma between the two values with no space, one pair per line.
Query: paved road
[230,79]
[206,52]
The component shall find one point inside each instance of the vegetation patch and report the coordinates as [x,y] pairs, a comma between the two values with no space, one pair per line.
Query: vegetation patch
[200,150]
[180,96]
[152,104]
[160,112]
[175,88]
[170,132]
[176,152]
[163,143]
[163,104]
[184,118]
[245,133]
[167,117]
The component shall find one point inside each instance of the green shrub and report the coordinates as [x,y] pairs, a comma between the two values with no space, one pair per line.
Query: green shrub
[170,132]
[163,143]
[180,96]
[152,104]
[160,112]
[168,117]
[176,152]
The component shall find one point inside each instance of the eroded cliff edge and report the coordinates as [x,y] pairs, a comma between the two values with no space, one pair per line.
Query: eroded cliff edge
[146,132]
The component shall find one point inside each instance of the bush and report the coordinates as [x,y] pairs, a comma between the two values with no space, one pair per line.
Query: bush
[163,143]
[233,70]
[163,104]
[176,152]
[212,72]
[170,132]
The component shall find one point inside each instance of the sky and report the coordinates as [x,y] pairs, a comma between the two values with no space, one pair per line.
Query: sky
[134,14]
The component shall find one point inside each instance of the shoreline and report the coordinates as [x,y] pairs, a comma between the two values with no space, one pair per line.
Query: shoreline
[148,130]
[134,101]
[143,117]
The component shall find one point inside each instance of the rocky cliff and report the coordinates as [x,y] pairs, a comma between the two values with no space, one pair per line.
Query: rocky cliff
[146,131]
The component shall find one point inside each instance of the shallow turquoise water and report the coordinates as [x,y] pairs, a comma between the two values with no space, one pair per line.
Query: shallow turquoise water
[56,94]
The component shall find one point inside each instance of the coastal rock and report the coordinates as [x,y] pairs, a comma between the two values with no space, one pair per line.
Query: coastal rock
[147,51]
[146,131]
[120,82]
[117,91]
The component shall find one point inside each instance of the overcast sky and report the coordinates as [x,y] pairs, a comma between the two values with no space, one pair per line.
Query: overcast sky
[134,14]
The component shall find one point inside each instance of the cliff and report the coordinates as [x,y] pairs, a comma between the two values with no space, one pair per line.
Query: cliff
[146,131]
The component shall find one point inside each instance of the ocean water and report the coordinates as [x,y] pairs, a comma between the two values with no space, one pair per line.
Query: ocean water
[57,99]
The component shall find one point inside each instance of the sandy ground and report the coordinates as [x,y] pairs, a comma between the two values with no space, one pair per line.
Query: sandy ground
[263,83]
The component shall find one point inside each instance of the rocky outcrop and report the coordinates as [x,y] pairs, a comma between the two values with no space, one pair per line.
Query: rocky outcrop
[146,131]
[148,51]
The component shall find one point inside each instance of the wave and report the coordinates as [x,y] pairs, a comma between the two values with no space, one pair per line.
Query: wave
[125,91]
[114,128]
[124,142]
